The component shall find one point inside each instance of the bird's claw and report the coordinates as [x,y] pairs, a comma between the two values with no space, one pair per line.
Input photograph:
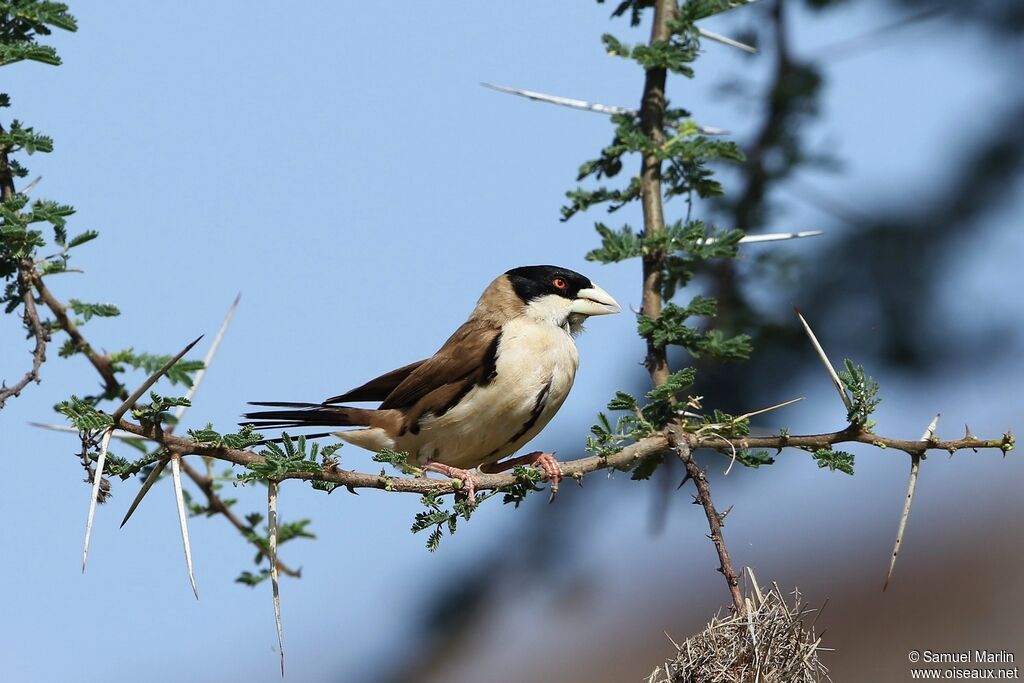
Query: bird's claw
[551,468]
[469,482]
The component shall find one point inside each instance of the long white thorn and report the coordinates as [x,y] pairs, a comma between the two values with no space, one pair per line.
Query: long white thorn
[562,101]
[179,497]
[825,361]
[915,468]
[779,236]
[767,237]
[725,40]
[31,186]
[762,411]
[150,381]
[210,353]
[274,578]
[118,433]
[583,105]
[146,486]
[94,497]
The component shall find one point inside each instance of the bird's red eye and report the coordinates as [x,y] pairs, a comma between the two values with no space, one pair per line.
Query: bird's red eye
[559,283]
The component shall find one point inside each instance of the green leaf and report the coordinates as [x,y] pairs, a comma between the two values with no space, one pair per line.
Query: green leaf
[840,461]
[83,415]
[180,373]
[754,458]
[290,456]
[82,238]
[865,393]
[87,311]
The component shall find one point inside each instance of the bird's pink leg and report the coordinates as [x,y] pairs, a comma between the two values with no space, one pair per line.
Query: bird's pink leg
[545,461]
[468,481]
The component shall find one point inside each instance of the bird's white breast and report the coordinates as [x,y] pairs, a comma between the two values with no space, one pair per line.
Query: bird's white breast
[535,360]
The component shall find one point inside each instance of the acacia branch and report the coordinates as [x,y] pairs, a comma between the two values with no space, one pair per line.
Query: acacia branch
[652,121]
[715,519]
[100,361]
[114,388]
[625,459]
[32,322]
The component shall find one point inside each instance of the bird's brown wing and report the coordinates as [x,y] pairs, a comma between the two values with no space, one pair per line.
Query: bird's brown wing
[379,388]
[468,358]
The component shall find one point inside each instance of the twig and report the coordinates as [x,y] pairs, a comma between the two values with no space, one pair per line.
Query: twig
[272,546]
[682,448]
[915,468]
[31,318]
[101,362]
[825,361]
[179,496]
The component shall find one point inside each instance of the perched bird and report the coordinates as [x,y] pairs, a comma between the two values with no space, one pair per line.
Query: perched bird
[490,389]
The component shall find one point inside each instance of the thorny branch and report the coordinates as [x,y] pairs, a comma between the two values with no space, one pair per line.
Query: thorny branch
[114,388]
[625,459]
[101,362]
[31,315]
[715,519]
[39,333]
[652,119]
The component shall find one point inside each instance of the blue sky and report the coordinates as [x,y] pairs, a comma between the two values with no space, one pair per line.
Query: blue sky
[341,167]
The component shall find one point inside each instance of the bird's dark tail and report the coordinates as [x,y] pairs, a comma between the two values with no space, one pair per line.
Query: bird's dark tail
[310,415]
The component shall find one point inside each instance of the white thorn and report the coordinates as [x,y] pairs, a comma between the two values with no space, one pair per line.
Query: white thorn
[150,381]
[779,236]
[825,361]
[179,497]
[117,434]
[97,478]
[725,40]
[180,410]
[932,426]
[272,546]
[583,105]
[767,237]
[915,467]
[562,101]
[146,486]
[31,186]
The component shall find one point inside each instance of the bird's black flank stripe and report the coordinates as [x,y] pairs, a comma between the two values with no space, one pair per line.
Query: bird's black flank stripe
[542,399]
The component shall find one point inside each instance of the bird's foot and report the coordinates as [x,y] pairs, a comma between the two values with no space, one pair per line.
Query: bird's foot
[546,462]
[469,483]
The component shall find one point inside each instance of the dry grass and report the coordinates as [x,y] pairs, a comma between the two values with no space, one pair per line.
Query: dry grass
[771,643]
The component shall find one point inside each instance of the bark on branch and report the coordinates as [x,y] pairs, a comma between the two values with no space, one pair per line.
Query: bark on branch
[625,459]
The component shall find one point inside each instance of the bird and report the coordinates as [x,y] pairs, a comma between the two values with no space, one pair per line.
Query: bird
[488,391]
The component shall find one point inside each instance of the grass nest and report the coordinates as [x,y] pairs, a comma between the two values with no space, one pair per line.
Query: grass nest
[772,643]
